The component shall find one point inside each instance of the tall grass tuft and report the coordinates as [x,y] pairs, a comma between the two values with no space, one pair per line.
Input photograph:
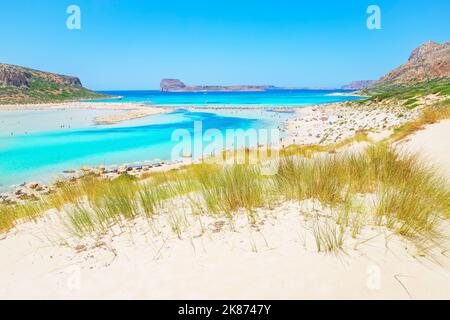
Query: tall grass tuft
[428,116]
[329,237]
[231,188]
[11,215]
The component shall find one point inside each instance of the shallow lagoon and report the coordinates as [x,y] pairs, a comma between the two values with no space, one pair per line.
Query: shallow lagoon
[40,145]
[42,154]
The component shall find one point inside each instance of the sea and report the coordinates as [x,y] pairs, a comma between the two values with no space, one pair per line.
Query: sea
[41,145]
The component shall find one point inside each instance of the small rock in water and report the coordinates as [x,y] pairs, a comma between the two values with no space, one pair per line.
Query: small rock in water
[32,185]
[86,168]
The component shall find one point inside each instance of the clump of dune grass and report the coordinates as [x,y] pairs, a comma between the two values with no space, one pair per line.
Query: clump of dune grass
[429,115]
[11,215]
[7,218]
[310,150]
[150,199]
[231,188]
[110,204]
[70,191]
[81,220]
[329,237]
[411,197]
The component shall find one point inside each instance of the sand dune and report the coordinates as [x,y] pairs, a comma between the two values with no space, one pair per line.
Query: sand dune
[275,261]
[433,144]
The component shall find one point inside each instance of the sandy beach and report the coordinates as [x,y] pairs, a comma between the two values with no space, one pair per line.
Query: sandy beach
[131,110]
[336,122]
[274,260]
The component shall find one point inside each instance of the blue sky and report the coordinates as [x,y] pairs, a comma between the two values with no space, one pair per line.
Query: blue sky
[132,44]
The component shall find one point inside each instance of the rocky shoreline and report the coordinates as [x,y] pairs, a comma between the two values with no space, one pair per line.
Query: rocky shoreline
[34,190]
[335,122]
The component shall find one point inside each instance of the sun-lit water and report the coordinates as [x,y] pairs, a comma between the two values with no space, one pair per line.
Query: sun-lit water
[39,145]
[40,156]
[268,98]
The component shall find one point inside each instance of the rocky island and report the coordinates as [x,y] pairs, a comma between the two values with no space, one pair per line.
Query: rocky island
[176,85]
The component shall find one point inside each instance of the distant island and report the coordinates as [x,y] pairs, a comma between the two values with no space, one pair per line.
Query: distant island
[176,85]
[23,85]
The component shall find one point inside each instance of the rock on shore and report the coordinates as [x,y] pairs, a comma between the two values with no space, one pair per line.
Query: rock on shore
[332,123]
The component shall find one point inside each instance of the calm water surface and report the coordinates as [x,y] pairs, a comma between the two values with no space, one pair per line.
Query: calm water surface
[39,145]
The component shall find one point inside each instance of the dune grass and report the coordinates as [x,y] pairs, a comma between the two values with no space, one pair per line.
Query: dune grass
[232,188]
[379,186]
[310,150]
[11,215]
[329,237]
[429,115]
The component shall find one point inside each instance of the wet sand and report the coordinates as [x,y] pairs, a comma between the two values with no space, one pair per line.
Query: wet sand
[120,111]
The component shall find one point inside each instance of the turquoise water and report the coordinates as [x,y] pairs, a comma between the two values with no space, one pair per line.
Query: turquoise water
[40,145]
[268,98]
[42,156]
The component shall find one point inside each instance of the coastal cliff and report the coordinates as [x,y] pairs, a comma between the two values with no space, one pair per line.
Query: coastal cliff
[428,62]
[24,85]
[427,69]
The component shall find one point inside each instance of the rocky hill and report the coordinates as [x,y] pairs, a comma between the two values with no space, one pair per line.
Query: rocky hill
[429,62]
[358,85]
[24,85]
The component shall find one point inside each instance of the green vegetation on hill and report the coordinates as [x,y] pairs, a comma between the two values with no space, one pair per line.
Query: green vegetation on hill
[19,85]
[439,87]
[40,92]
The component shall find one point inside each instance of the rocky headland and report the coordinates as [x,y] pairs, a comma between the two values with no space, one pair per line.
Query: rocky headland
[25,85]
[428,62]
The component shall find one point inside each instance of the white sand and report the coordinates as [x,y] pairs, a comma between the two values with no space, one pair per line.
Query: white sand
[132,114]
[129,110]
[276,260]
[433,144]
